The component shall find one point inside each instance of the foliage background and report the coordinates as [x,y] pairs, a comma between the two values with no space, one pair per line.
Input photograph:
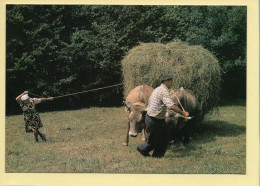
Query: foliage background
[54,50]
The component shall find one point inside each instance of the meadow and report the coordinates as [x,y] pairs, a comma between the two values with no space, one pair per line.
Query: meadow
[90,141]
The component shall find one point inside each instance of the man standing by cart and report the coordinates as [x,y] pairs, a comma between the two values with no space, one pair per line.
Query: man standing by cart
[157,134]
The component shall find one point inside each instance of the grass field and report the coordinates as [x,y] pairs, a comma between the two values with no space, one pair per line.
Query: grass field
[89,141]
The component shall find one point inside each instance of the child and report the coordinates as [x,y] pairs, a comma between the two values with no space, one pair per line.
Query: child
[31,117]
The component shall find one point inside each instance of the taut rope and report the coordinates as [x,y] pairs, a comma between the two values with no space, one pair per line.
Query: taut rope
[91,90]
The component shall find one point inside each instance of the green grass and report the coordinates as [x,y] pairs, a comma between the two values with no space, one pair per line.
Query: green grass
[93,145]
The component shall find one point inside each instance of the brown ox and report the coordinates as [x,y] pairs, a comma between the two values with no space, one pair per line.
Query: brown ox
[136,102]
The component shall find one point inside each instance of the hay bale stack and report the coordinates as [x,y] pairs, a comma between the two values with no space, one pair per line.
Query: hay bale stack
[192,67]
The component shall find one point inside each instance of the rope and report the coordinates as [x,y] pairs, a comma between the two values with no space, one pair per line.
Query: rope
[85,91]
[178,101]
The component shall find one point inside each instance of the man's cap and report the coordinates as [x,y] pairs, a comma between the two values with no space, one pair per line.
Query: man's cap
[165,77]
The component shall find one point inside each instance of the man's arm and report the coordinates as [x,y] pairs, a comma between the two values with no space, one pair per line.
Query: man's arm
[175,108]
[167,100]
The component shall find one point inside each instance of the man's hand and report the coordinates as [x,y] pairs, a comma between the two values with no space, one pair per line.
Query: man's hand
[175,108]
[25,92]
[51,98]
[186,114]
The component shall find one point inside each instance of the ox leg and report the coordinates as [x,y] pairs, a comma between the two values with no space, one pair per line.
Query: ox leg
[186,139]
[143,135]
[186,133]
[127,132]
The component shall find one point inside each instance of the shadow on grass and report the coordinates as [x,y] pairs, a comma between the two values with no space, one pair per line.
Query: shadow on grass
[207,132]
[211,129]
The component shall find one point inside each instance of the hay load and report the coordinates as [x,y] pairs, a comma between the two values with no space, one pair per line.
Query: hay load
[192,67]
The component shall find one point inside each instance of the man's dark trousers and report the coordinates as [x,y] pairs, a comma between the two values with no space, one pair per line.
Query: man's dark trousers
[157,137]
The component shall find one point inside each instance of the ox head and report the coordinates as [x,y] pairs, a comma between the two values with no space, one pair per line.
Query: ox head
[136,117]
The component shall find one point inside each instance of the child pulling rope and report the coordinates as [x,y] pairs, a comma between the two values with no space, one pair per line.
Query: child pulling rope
[31,117]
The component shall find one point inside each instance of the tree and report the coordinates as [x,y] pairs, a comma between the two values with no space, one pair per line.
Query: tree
[222,30]
[55,50]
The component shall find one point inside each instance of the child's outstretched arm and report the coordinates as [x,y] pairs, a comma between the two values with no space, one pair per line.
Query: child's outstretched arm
[39,100]
[47,99]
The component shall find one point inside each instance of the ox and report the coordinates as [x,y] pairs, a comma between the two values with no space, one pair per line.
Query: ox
[135,103]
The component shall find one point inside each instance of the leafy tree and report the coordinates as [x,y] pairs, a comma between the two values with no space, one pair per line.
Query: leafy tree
[222,30]
[55,50]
